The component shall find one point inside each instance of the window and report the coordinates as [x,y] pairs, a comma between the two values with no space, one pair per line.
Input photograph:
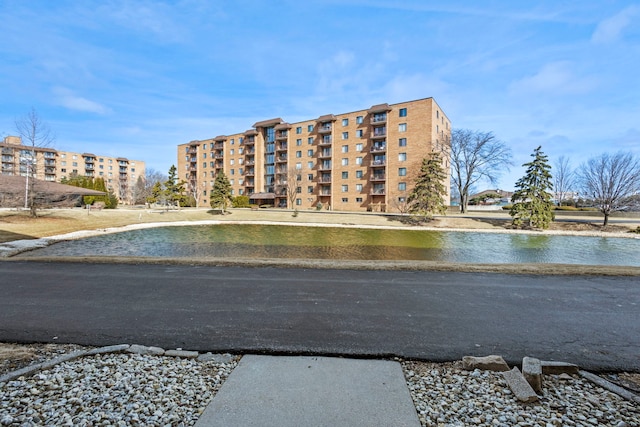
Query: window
[231,161]
[310,140]
[310,165]
[231,181]
[402,186]
[403,112]
[298,165]
[299,142]
[345,122]
[402,157]
[345,175]
[231,152]
[298,190]
[298,154]
[233,171]
[310,177]
[345,199]
[358,160]
[345,162]
[358,187]
[345,148]
[298,202]
[345,135]
[359,133]
[345,188]
[359,199]
[402,171]
[402,127]
[309,153]
[210,164]
[358,174]
[232,141]
[240,150]
[310,189]
[310,128]
[298,177]
[299,130]
[359,119]
[358,147]
[437,114]
[204,155]
[402,142]
[204,165]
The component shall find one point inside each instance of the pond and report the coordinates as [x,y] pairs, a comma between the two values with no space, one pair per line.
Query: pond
[277,241]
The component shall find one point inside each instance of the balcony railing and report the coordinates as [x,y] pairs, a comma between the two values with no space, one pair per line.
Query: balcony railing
[378,148]
[378,163]
[324,180]
[324,154]
[248,152]
[324,128]
[378,177]
[281,147]
[325,167]
[380,132]
[378,192]
[49,162]
[379,118]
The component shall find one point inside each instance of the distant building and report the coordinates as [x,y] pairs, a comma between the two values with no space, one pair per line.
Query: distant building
[363,160]
[491,197]
[119,173]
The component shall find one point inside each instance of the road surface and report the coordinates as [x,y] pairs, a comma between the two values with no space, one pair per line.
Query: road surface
[589,320]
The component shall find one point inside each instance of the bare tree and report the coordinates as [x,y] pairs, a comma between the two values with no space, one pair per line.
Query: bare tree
[610,179]
[564,178]
[34,133]
[289,183]
[476,156]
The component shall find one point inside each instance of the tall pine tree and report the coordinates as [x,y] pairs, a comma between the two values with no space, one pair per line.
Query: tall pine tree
[532,203]
[221,192]
[427,196]
[174,188]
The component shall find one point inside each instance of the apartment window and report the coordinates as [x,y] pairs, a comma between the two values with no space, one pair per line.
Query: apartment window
[204,155]
[437,114]
[310,177]
[310,165]
[345,148]
[232,141]
[345,122]
[345,135]
[310,189]
[310,140]
[358,147]
[298,177]
[358,160]
[64,156]
[345,162]
[231,162]
[359,119]
[241,191]
[241,181]
[358,187]
[359,133]
[402,157]
[402,171]
[359,199]
[298,165]
[403,112]
[402,186]
[64,163]
[345,188]
[299,130]
[63,170]
[402,142]
[299,142]
[74,157]
[240,161]
[101,166]
[309,128]
[231,181]
[299,190]
[101,160]
[298,202]
[74,163]
[233,171]
[309,153]
[231,152]
[240,150]
[345,175]
[241,172]
[298,154]
[345,199]
[359,174]
[211,164]
[402,127]
[204,165]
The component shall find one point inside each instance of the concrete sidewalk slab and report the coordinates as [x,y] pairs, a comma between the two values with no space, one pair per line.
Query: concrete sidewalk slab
[312,391]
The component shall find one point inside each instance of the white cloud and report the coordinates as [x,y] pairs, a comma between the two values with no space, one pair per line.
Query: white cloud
[553,78]
[68,99]
[611,29]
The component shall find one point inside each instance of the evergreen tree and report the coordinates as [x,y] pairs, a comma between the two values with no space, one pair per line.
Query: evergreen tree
[532,199]
[221,193]
[427,196]
[157,193]
[174,188]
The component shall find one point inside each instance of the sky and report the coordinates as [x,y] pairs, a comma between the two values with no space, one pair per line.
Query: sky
[134,79]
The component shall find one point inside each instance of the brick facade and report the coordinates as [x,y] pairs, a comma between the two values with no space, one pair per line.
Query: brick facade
[362,160]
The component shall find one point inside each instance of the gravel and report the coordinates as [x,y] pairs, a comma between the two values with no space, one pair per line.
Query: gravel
[149,390]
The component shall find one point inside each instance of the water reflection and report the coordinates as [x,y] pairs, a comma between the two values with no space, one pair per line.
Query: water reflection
[271,241]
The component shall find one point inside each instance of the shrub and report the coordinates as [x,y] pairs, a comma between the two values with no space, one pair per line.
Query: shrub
[240,202]
[635,230]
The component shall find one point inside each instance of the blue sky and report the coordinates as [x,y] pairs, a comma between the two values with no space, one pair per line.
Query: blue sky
[137,78]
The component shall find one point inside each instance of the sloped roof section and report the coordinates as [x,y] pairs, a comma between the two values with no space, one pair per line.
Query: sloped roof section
[326,118]
[267,123]
[380,108]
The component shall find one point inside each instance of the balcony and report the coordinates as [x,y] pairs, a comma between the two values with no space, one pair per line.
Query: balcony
[219,146]
[325,167]
[89,167]
[249,172]
[379,132]
[379,118]
[218,156]
[249,151]
[378,177]
[192,169]
[50,171]
[192,150]
[326,140]
[49,162]
[379,148]
[324,154]
[281,159]
[325,179]
[378,163]
[250,140]
[324,128]
[283,134]
[281,147]
[378,192]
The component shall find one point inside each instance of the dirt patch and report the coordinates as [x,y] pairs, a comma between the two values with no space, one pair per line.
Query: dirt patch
[16,356]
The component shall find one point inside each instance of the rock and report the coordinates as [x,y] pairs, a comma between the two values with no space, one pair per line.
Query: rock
[181,353]
[519,386]
[488,363]
[622,392]
[141,349]
[557,368]
[108,349]
[532,371]
[216,358]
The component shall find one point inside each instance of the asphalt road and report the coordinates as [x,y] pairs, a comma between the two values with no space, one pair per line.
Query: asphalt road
[589,320]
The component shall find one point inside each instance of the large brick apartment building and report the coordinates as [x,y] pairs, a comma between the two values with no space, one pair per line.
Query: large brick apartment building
[120,174]
[363,160]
